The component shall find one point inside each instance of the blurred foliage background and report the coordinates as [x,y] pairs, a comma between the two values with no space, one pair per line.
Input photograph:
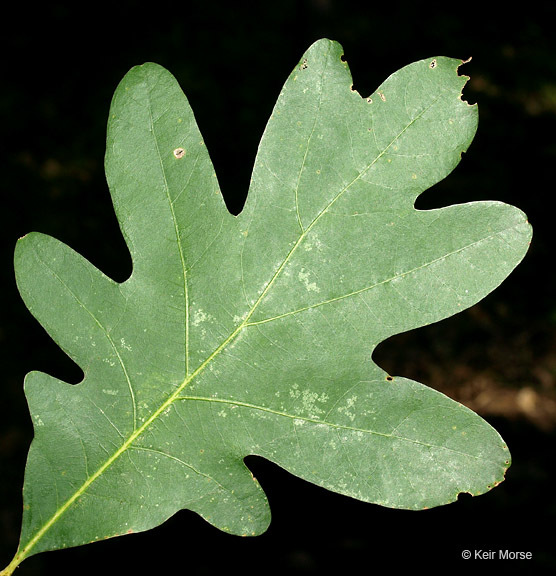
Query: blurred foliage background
[62,62]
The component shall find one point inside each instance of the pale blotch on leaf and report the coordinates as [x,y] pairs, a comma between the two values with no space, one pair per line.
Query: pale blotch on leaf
[179,153]
[303,276]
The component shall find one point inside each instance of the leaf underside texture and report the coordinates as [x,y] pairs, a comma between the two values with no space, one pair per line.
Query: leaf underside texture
[253,334]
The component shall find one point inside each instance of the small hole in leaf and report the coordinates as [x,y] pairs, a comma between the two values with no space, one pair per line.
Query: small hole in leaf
[369,100]
[433,64]
[389,378]
[464,495]
[304,64]
[179,153]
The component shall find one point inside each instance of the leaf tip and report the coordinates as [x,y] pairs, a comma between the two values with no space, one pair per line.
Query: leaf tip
[20,245]
[26,237]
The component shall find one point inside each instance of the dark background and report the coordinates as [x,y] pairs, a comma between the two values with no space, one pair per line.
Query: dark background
[61,65]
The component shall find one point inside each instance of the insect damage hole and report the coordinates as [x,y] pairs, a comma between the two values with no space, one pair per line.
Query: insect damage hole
[433,64]
[179,153]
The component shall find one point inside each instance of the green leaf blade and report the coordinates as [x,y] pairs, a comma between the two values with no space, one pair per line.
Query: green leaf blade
[254,335]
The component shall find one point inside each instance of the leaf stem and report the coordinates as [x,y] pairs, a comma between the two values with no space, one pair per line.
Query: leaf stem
[8,570]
